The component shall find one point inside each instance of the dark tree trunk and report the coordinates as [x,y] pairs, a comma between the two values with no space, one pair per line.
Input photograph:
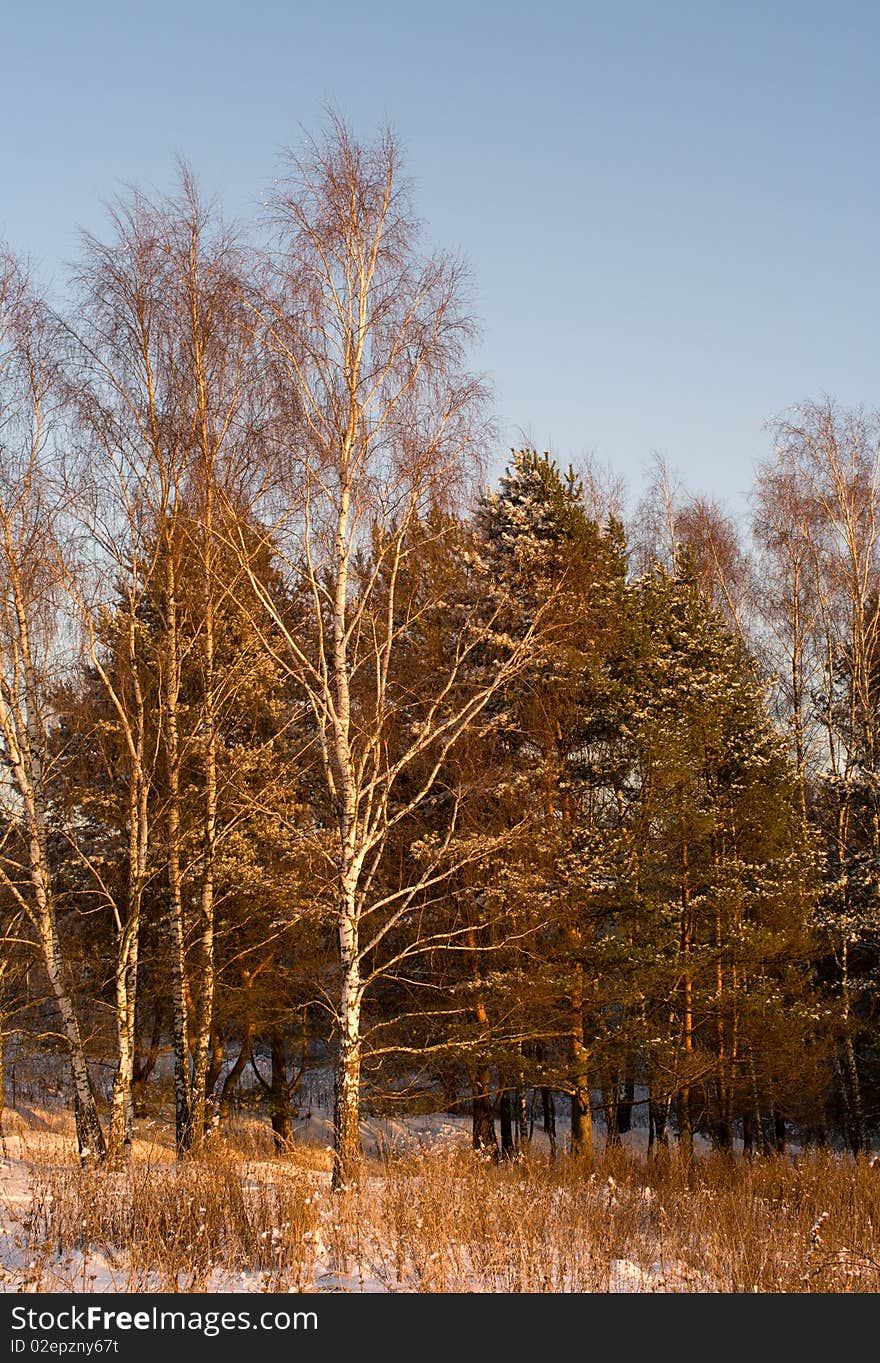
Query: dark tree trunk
[230,1083]
[143,1068]
[482,1119]
[548,1106]
[505,1113]
[627,1098]
[722,1134]
[685,1125]
[279,1093]
[658,1123]
[610,1093]
[779,1137]
[722,1125]
[215,1066]
[851,1099]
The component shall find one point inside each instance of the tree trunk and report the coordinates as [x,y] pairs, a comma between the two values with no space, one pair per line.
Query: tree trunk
[581,1122]
[581,1115]
[548,1107]
[128,936]
[347,1089]
[722,1127]
[758,1117]
[779,1133]
[215,1065]
[205,994]
[523,1131]
[658,1122]
[626,1100]
[128,920]
[28,777]
[684,1120]
[610,1094]
[122,1114]
[683,1106]
[232,1078]
[279,1092]
[176,926]
[852,1089]
[89,1136]
[858,1136]
[482,1120]
[144,1068]
[210,441]
[505,1114]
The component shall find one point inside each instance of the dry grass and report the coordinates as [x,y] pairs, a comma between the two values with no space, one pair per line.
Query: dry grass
[449,1222]
[166,1227]
[714,1224]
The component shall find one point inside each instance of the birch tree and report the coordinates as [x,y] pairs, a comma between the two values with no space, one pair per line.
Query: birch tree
[32,644]
[117,759]
[819,531]
[163,388]
[370,337]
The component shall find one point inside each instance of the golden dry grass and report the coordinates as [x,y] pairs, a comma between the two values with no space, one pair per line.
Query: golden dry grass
[451,1222]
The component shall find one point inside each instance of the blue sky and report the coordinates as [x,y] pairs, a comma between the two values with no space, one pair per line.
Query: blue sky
[670,209]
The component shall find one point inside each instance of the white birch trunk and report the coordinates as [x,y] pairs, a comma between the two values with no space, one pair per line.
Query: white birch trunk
[347,1088]
[205,1007]
[22,741]
[176,926]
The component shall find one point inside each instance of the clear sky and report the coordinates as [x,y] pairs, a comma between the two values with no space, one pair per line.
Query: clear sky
[670,207]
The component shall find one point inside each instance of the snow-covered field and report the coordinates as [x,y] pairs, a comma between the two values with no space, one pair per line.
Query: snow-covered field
[365,1240]
[428,1216]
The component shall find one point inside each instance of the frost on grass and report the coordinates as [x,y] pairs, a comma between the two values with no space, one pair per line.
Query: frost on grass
[430,1216]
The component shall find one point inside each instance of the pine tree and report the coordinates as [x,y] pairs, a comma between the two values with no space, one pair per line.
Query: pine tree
[724,871]
[539,544]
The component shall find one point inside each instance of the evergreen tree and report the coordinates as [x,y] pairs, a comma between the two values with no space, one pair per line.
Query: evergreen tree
[541,547]
[723,872]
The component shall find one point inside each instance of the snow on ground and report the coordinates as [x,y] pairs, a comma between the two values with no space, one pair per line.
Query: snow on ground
[38,1155]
